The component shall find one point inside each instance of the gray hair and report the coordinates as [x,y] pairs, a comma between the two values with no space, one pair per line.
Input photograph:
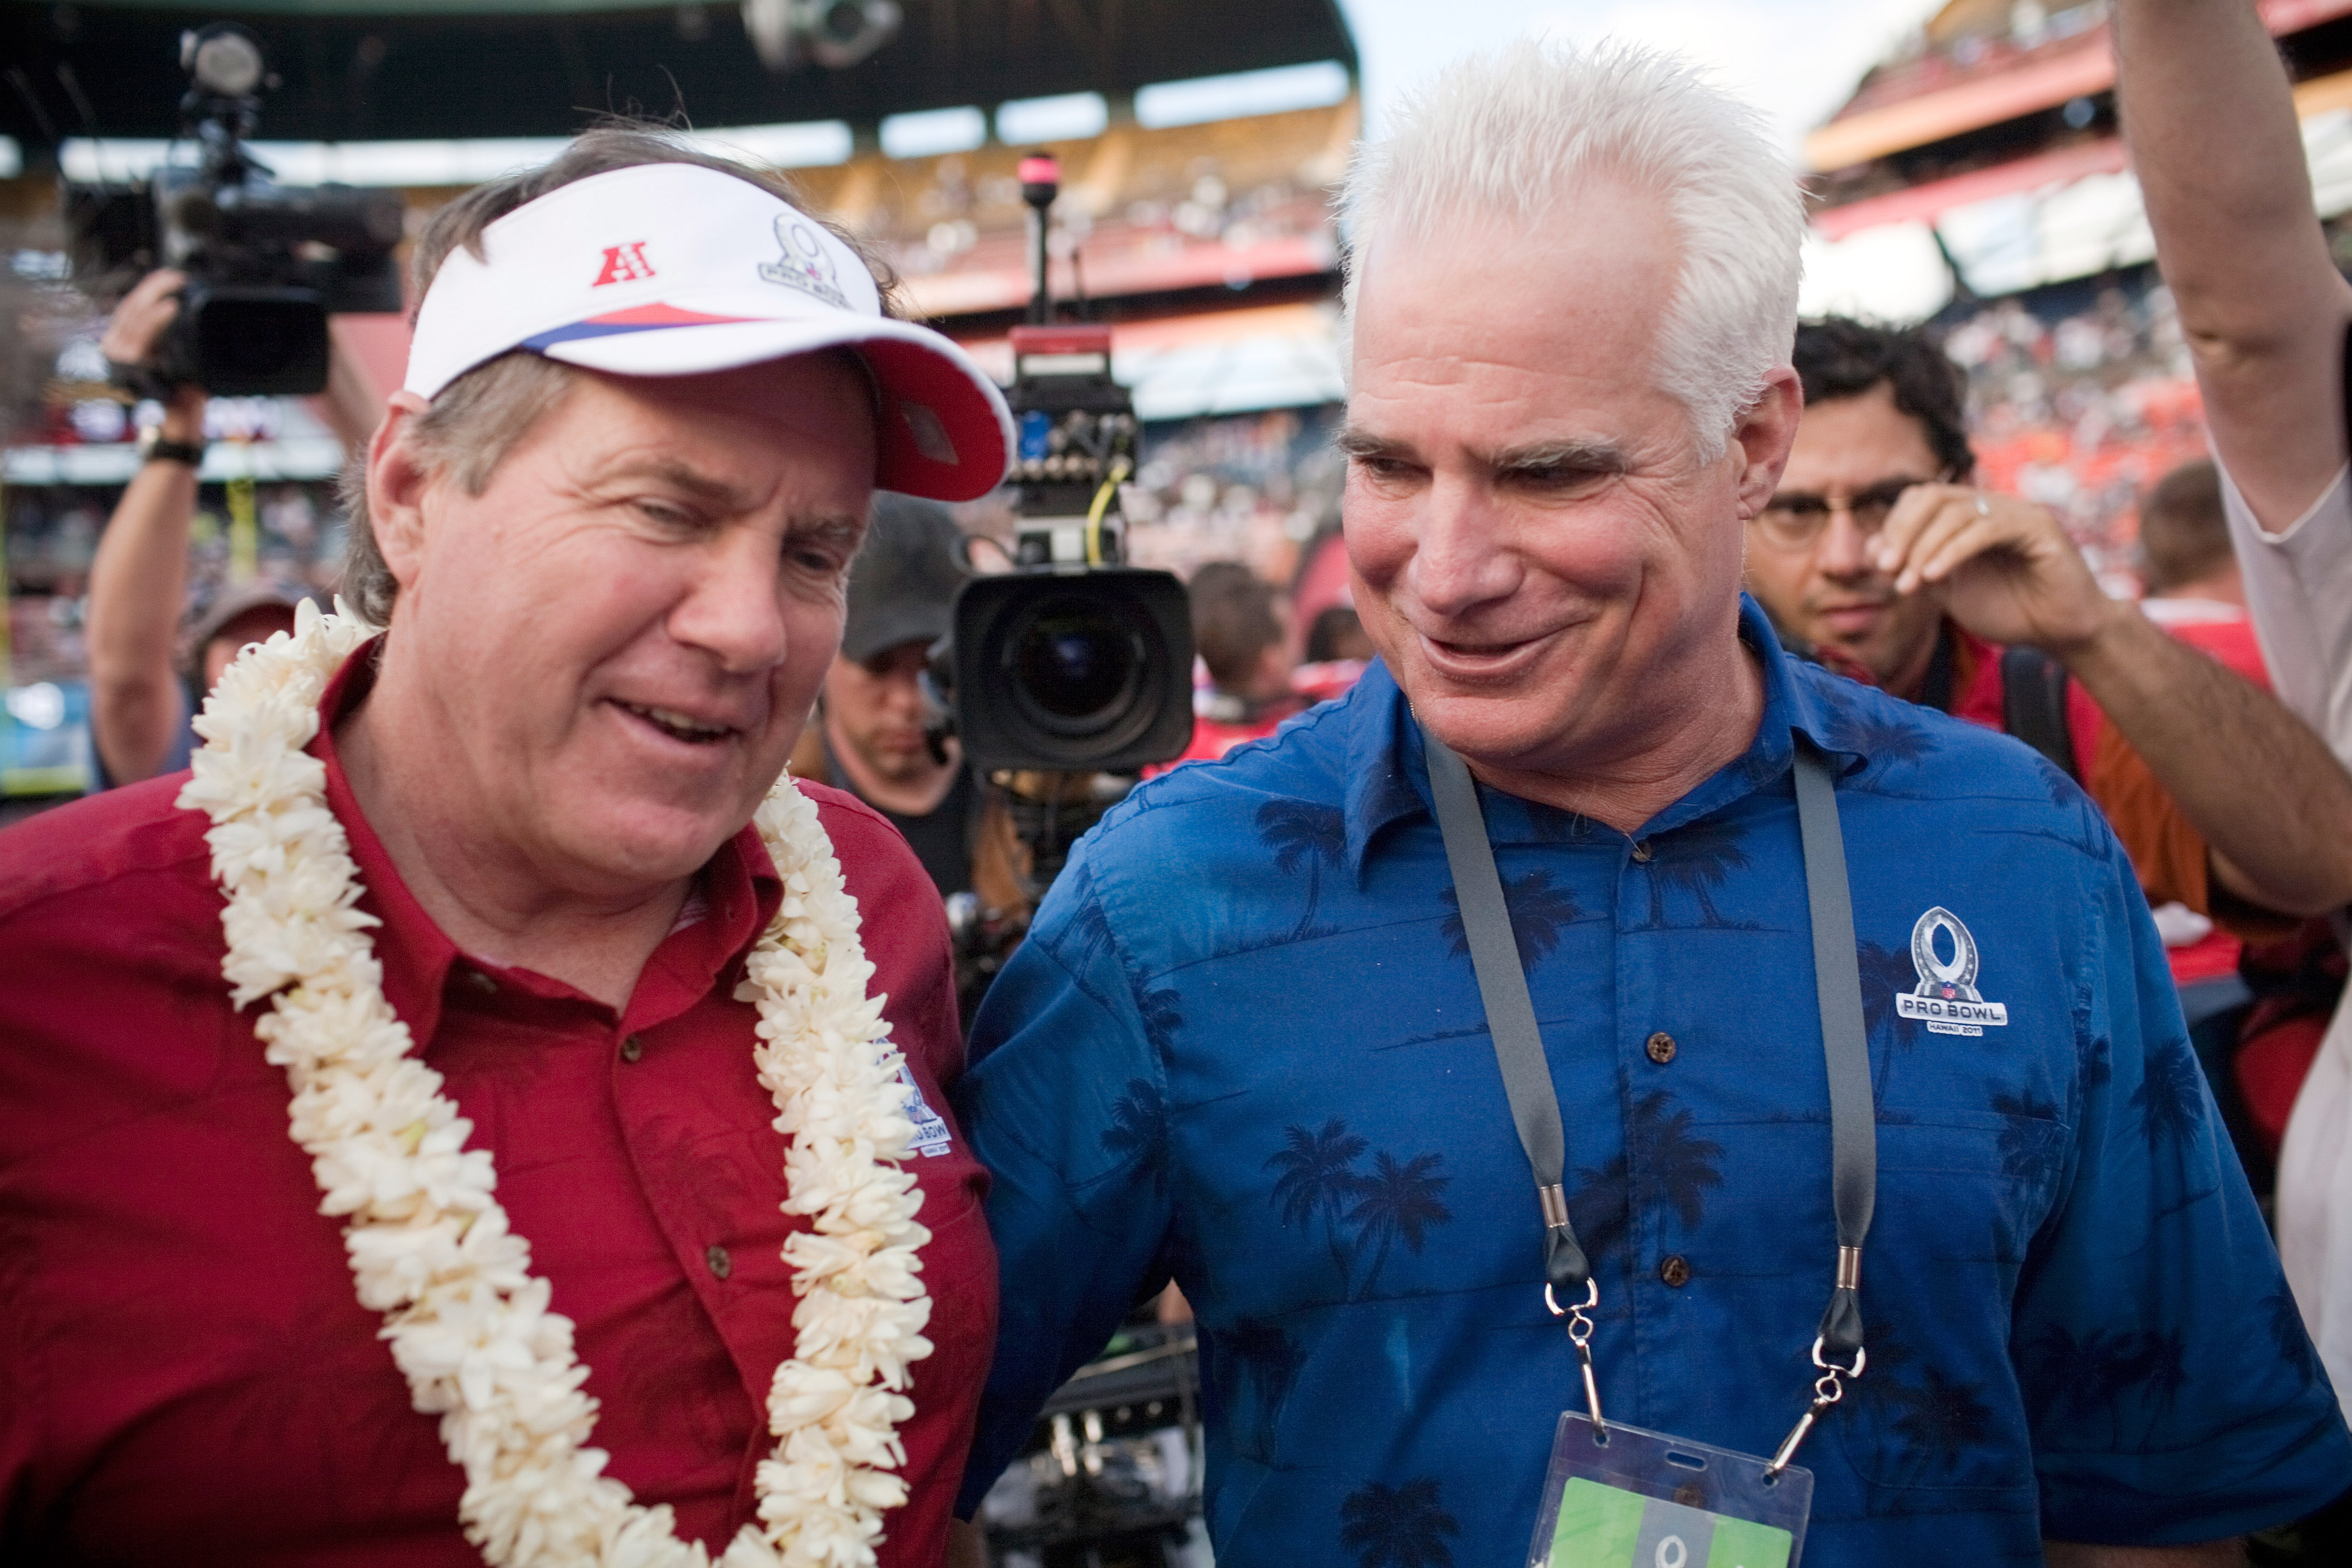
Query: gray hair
[478,418]
[1511,134]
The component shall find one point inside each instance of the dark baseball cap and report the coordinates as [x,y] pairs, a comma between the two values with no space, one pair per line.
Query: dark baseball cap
[905,577]
[234,602]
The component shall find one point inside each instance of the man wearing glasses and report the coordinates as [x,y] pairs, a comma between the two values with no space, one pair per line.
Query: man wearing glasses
[1877,556]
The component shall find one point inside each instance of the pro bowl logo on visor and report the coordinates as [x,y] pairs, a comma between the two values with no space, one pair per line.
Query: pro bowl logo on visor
[1946,999]
[806,264]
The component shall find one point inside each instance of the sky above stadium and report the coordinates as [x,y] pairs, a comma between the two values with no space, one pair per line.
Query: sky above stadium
[1795,59]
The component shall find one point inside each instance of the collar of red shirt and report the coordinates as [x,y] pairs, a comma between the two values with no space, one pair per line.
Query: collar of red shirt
[738,888]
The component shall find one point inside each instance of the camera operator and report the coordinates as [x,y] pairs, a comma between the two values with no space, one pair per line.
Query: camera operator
[873,737]
[140,705]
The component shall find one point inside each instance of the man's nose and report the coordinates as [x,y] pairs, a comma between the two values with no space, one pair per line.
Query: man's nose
[1459,561]
[902,691]
[1844,548]
[733,607]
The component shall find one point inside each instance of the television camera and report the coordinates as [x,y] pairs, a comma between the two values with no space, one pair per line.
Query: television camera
[1074,662]
[266,263]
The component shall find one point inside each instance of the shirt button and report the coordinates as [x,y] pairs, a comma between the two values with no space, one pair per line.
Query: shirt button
[633,1047]
[1641,852]
[1661,1047]
[720,1264]
[1674,1271]
[481,983]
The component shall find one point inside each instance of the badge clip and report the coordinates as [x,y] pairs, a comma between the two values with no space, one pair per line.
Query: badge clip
[1580,1334]
[1828,1389]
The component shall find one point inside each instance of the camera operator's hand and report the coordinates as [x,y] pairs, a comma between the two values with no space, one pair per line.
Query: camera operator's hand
[131,337]
[2005,569]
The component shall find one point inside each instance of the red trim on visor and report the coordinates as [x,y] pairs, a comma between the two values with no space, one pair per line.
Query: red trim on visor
[664,316]
[910,373]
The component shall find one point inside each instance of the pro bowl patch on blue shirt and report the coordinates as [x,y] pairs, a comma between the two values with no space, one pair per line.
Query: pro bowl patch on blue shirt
[1946,999]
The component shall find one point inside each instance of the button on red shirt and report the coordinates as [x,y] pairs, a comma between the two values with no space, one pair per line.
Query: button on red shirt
[185,1376]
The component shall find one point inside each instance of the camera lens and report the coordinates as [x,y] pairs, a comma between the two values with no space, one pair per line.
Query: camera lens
[1073,671]
[1078,662]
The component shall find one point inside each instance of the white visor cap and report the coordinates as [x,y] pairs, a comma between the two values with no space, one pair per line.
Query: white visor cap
[677,270]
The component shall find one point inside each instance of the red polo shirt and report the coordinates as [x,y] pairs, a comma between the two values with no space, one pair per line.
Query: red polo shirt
[185,1376]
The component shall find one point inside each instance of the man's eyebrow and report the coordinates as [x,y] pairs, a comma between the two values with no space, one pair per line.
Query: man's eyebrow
[717,494]
[1354,441]
[1557,457]
[830,527]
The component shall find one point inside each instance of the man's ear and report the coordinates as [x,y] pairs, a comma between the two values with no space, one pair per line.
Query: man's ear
[396,483]
[1763,436]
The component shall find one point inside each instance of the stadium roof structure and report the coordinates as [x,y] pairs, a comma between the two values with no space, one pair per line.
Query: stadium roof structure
[1994,75]
[1988,158]
[356,70]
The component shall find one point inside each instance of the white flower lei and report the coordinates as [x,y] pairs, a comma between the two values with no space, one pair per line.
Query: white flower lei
[430,1246]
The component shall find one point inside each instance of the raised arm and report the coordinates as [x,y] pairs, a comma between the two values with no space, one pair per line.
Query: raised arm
[2255,780]
[2213,133]
[139,577]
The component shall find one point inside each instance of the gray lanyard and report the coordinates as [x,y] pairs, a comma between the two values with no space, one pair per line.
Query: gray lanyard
[1535,1106]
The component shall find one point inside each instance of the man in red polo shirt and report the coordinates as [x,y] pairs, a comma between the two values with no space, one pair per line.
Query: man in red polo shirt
[605,526]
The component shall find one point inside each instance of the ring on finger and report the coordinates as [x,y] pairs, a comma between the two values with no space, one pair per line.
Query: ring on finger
[1984,507]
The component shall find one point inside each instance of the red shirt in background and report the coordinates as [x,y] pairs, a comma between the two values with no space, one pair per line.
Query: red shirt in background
[185,1375]
[1980,695]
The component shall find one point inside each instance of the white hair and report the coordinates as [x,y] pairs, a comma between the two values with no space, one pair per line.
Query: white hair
[1512,132]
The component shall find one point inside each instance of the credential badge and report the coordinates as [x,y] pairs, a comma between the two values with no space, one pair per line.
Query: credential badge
[806,264]
[1946,999]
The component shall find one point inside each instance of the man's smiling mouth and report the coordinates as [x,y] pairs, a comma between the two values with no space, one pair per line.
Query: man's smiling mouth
[680,726]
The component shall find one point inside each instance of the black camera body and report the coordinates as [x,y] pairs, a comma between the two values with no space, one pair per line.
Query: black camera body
[266,263]
[1073,661]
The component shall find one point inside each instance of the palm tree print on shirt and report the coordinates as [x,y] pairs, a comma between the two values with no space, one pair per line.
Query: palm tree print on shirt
[1397,1526]
[1320,1178]
[1157,1009]
[2171,1096]
[2092,1378]
[2285,1322]
[1264,1356]
[1536,911]
[1885,974]
[1916,1424]
[1303,832]
[1883,739]
[1397,1200]
[1693,861]
[1943,1420]
[1675,1167]
[1138,1130]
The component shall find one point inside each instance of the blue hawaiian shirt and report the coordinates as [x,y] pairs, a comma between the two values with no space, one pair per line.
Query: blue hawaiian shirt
[1244,1047]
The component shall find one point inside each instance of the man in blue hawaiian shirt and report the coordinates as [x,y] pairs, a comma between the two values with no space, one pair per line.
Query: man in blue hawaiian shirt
[1244,1047]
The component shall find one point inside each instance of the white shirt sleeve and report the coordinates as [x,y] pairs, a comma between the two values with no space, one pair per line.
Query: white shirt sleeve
[2299,587]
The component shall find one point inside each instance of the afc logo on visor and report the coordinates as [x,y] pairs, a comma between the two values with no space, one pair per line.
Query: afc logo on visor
[625,264]
[1946,998]
[806,264]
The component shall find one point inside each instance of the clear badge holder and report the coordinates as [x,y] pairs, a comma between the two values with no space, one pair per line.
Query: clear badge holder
[1618,1497]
